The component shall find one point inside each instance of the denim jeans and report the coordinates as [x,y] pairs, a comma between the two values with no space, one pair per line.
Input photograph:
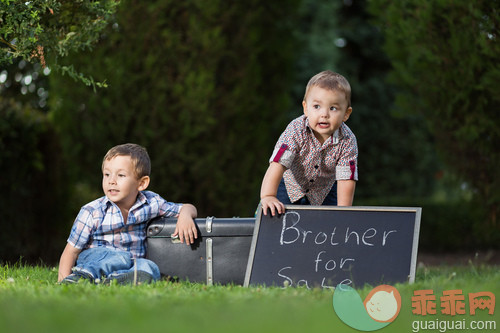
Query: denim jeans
[282,195]
[106,262]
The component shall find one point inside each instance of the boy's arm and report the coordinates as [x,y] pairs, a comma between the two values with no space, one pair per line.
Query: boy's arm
[67,261]
[269,189]
[345,192]
[185,227]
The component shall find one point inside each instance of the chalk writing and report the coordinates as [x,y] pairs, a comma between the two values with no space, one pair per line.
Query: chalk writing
[289,282]
[331,264]
[291,233]
[315,247]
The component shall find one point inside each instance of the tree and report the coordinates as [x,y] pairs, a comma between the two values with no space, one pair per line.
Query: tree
[397,160]
[202,85]
[43,31]
[445,60]
[315,32]
[34,193]
[34,36]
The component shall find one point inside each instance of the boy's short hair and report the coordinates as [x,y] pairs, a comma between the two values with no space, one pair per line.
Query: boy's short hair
[138,155]
[331,81]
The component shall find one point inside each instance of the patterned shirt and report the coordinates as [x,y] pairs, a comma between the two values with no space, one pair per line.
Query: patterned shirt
[100,223]
[312,167]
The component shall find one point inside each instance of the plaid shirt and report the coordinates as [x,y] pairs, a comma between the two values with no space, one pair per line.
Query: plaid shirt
[100,223]
[313,168]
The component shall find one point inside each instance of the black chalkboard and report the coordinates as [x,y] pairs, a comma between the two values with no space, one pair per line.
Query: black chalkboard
[322,246]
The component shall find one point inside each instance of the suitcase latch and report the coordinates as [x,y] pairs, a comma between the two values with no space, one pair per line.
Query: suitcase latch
[209,222]
[210,269]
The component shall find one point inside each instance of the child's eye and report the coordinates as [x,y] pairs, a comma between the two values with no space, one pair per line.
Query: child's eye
[121,175]
[106,174]
[333,108]
[316,106]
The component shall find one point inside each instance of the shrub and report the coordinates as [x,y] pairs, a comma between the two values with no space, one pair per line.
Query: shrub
[34,211]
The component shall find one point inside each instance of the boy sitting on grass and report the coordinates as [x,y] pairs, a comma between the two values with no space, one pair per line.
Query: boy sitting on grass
[315,159]
[109,234]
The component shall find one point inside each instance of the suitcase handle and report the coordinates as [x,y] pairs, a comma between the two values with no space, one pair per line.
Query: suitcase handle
[209,222]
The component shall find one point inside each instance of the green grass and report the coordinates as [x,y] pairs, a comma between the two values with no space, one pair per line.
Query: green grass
[32,301]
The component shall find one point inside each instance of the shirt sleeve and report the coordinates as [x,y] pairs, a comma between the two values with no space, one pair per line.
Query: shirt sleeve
[288,145]
[154,205]
[171,209]
[347,165]
[82,228]
[161,207]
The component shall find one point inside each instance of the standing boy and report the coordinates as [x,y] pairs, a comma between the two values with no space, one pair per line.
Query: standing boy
[315,159]
[108,238]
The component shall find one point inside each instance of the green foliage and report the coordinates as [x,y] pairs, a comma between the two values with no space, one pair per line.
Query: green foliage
[456,226]
[396,153]
[453,225]
[32,205]
[202,85]
[315,31]
[445,59]
[45,30]
[26,83]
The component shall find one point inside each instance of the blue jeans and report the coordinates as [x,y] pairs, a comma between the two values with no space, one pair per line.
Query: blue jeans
[282,195]
[106,262]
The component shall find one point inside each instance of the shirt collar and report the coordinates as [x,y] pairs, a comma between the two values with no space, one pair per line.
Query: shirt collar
[141,199]
[336,136]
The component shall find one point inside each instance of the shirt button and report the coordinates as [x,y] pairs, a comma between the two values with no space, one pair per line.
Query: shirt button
[307,191]
[316,166]
[312,180]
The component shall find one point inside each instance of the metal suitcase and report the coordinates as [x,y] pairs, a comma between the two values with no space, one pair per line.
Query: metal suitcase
[219,255]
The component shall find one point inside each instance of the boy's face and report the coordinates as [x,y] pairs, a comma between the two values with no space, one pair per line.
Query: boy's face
[120,183]
[325,111]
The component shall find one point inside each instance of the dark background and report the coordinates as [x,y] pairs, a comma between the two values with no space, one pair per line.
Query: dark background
[208,86]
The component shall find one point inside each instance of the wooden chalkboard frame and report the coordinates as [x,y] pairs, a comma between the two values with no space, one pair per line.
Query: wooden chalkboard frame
[414,247]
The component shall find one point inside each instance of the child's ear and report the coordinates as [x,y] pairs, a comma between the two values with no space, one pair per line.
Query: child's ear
[143,183]
[347,114]
[304,105]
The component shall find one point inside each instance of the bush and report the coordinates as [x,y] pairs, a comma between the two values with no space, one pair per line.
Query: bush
[445,61]
[34,211]
[202,85]
[448,226]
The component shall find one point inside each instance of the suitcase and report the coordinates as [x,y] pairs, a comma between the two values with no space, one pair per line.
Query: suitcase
[219,255]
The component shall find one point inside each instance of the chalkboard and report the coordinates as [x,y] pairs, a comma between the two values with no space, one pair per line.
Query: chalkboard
[322,246]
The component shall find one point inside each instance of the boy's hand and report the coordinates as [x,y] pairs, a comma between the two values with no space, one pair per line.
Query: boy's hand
[269,188]
[67,261]
[185,228]
[273,204]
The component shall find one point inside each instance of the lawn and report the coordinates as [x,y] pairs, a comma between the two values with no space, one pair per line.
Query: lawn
[32,301]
